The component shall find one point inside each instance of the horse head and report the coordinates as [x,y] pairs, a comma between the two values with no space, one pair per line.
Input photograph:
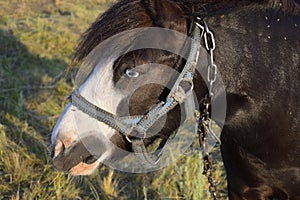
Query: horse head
[128,82]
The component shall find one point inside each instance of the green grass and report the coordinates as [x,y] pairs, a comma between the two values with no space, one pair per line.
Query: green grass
[37,40]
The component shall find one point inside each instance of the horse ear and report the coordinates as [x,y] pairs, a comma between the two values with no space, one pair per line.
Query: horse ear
[166,14]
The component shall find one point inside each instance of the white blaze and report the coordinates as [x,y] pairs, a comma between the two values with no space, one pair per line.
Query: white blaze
[74,124]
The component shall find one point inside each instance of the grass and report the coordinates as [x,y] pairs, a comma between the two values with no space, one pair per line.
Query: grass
[37,40]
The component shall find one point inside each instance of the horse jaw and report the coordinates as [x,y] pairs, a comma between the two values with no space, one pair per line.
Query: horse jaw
[73,124]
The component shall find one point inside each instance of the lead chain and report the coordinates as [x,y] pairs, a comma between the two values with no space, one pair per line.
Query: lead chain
[210,45]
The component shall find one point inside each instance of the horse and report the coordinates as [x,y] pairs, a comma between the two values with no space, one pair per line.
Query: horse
[257,47]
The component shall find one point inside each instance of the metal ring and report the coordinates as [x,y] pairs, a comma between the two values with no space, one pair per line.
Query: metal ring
[127,138]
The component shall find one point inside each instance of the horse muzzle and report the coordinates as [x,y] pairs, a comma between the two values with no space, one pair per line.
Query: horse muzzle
[86,150]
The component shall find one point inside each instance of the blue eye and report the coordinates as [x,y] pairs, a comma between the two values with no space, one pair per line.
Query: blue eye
[132,73]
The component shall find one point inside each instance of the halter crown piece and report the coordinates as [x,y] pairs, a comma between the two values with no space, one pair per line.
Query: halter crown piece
[134,128]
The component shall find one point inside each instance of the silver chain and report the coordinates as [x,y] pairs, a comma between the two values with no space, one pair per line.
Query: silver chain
[210,45]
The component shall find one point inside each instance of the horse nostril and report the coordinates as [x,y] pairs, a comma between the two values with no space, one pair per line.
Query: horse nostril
[57,149]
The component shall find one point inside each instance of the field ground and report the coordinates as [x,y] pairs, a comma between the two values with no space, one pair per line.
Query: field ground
[37,40]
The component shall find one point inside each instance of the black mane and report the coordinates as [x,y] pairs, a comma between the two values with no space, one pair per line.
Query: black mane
[124,15]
